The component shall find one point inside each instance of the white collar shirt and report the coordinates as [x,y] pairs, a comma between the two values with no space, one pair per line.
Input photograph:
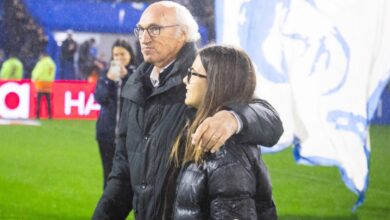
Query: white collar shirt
[155,75]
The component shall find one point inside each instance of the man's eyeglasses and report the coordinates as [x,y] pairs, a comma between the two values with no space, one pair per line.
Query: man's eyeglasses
[191,72]
[153,30]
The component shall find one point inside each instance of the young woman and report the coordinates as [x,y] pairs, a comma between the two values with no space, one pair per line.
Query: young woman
[232,183]
[107,94]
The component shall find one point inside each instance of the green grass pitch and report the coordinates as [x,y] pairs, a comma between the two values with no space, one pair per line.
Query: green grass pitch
[53,171]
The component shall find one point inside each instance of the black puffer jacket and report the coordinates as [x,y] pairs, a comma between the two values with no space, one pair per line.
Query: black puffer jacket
[230,184]
[150,122]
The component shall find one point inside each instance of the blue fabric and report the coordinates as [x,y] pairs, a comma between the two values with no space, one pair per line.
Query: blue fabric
[290,57]
[85,16]
[382,114]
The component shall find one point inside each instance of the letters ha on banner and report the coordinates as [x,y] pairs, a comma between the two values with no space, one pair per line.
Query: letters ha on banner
[323,64]
[69,100]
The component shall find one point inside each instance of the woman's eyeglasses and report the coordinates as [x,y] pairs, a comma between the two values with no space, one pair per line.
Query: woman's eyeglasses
[191,72]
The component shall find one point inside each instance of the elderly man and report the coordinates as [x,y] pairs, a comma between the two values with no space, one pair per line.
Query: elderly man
[153,115]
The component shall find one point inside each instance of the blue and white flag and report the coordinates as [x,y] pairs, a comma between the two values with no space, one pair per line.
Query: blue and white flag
[323,64]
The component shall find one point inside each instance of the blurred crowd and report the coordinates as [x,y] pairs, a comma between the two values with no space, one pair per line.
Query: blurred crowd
[24,38]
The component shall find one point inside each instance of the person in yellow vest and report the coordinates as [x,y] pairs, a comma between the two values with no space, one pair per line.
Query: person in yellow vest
[12,69]
[43,76]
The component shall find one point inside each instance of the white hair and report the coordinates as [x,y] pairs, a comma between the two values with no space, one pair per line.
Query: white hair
[185,19]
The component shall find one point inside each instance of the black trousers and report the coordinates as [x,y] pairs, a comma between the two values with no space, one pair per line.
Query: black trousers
[107,151]
[47,96]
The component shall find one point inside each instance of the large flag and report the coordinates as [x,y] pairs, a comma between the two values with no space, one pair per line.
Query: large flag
[323,64]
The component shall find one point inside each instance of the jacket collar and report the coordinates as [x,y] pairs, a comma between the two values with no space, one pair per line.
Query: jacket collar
[136,88]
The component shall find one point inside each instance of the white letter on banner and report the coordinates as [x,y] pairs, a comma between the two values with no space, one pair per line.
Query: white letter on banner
[23,94]
[91,105]
[79,103]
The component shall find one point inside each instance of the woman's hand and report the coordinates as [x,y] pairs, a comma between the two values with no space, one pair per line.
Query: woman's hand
[117,71]
[123,72]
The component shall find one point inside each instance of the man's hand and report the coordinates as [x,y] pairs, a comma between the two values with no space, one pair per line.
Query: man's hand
[214,131]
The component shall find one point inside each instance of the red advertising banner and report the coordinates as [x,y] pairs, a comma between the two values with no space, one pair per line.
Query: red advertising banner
[69,100]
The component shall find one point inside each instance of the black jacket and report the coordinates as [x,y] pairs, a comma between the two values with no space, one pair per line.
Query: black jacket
[106,94]
[150,122]
[230,184]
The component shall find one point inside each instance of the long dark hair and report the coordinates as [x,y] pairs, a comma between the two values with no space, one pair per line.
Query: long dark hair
[126,45]
[230,79]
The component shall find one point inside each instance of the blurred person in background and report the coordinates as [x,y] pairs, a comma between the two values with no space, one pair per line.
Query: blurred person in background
[107,94]
[153,115]
[234,182]
[87,58]
[68,50]
[12,68]
[43,76]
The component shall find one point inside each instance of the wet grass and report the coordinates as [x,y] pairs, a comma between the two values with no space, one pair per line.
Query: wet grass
[53,171]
